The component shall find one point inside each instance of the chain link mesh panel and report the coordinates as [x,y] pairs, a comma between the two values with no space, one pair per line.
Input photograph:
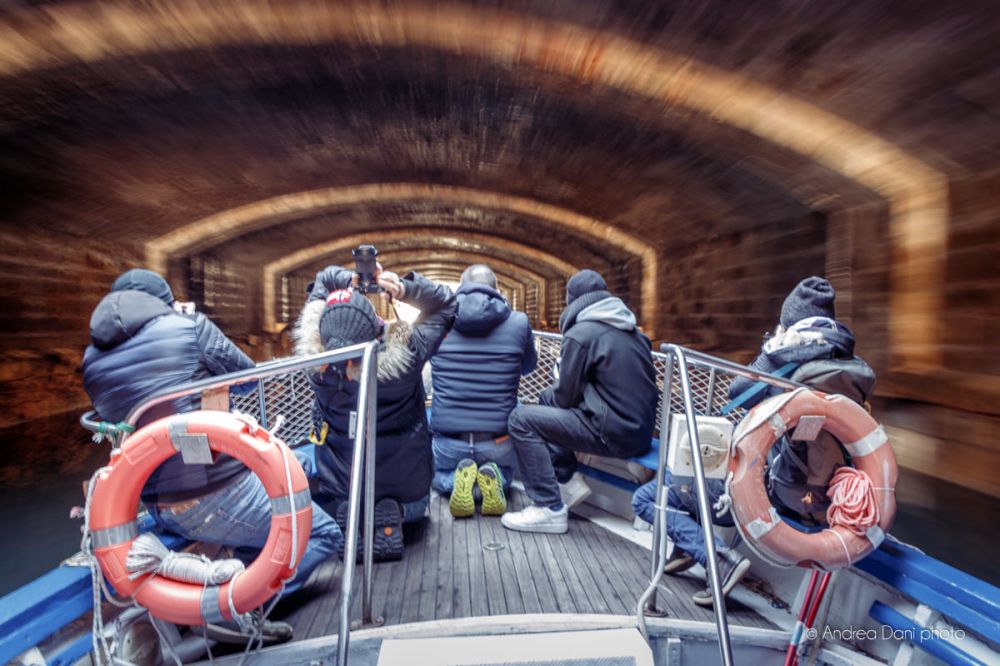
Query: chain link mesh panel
[709,387]
[292,396]
[287,395]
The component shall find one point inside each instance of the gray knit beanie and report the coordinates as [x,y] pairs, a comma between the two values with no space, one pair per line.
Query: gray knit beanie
[813,297]
[140,279]
[582,283]
[348,319]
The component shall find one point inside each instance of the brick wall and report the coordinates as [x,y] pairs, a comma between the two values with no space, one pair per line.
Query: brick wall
[723,293]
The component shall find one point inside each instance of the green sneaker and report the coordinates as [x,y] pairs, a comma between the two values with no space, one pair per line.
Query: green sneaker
[491,486]
[461,503]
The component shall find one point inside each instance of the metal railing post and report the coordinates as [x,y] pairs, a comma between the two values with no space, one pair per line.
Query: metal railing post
[369,523]
[263,403]
[365,403]
[659,531]
[721,621]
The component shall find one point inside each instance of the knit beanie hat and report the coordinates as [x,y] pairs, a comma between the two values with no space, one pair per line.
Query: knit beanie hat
[348,319]
[149,282]
[813,297]
[582,283]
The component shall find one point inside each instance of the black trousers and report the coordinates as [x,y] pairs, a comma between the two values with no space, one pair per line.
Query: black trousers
[545,438]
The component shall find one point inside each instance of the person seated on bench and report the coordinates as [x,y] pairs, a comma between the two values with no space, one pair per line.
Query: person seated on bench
[684,530]
[818,352]
[475,374]
[603,402]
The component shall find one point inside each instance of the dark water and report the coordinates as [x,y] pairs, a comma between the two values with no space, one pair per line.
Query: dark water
[42,473]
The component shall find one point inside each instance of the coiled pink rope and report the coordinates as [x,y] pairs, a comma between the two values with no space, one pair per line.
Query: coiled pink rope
[853,504]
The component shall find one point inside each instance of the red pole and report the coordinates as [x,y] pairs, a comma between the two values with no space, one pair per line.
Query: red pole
[793,640]
[815,607]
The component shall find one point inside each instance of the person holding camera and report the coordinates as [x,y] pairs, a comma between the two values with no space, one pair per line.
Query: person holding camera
[337,314]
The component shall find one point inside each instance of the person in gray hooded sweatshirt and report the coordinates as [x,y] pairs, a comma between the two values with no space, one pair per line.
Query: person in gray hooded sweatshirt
[604,401]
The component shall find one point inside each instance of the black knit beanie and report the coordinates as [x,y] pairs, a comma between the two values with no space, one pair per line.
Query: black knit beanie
[582,283]
[813,297]
[139,279]
[348,319]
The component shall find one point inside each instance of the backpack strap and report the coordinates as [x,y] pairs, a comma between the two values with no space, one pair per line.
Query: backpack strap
[756,388]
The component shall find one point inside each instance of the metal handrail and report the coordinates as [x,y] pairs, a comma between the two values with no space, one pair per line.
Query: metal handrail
[683,357]
[363,455]
[363,462]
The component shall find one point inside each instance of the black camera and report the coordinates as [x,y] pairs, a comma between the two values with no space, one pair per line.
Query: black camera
[364,266]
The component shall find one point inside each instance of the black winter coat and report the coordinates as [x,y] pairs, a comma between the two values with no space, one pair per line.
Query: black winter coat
[141,346]
[479,365]
[606,373]
[403,460]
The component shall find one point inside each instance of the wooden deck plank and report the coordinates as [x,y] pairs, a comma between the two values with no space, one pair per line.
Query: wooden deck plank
[445,573]
[517,551]
[635,560]
[492,573]
[605,570]
[432,567]
[547,572]
[572,557]
[513,586]
[462,604]
[414,555]
[447,588]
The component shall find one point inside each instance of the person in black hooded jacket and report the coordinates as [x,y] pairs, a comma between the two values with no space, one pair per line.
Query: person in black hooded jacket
[336,316]
[603,402]
[140,346]
[475,375]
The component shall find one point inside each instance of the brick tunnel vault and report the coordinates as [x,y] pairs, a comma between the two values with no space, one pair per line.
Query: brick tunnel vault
[704,157]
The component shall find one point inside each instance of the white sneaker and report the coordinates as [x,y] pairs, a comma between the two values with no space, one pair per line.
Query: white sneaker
[574,491]
[537,519]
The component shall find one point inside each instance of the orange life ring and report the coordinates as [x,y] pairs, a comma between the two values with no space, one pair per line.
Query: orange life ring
[116,496]
[759,524]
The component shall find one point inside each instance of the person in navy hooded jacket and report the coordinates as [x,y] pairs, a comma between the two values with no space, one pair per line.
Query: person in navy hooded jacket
[140,346]
[475,374]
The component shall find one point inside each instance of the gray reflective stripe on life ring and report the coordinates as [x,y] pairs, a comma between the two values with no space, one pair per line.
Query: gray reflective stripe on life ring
[867,444]
[112,536]
[875,535]
[194,448]
[759,527]
[301,499]
[210,604]
[778,424]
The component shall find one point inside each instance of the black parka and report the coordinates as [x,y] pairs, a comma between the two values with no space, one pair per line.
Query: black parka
[403,461]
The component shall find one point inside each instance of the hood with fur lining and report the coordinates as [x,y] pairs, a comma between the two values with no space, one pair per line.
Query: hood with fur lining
[394,356]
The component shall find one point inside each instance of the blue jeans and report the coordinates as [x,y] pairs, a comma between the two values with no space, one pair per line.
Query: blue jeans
[448,452]
[683,526]
[239,516]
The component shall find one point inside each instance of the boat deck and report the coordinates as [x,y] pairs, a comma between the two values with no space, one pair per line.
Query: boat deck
[448,572]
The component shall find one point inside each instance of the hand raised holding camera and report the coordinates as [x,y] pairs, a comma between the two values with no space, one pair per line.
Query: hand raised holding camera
[390,283]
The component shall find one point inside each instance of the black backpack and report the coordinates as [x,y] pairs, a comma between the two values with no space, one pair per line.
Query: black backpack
[800,472]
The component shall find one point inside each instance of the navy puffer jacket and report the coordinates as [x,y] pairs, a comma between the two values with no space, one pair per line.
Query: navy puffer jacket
[141,346]
[478,366]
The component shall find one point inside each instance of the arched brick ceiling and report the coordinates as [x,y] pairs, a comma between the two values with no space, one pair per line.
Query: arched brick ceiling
[665,120]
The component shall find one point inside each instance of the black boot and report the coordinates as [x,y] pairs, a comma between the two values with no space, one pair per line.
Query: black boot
[732,568]
[680,560]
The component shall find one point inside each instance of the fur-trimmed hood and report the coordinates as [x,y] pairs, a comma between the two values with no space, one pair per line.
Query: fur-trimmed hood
[395,358]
